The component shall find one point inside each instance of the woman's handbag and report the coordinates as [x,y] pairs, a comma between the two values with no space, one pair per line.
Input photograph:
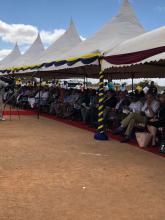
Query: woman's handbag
[143,139]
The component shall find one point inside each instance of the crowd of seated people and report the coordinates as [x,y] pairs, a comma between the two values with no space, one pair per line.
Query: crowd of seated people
[148,111]
[123,112]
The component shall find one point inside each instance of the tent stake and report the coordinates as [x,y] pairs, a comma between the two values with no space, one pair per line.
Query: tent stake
[100,133]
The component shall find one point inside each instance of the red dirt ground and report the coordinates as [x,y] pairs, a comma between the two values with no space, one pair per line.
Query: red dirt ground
[53,171]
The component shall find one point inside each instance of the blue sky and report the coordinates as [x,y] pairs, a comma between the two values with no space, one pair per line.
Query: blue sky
[52,17]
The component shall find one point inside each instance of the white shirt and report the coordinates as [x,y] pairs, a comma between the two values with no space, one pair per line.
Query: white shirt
[136,106]
[45,95]
[154,106]
[106,88]
[145,89]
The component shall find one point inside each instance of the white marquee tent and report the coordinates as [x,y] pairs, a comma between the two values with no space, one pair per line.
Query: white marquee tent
[122,27]
[138,56]
[15,54]
[35,49]
[63,44]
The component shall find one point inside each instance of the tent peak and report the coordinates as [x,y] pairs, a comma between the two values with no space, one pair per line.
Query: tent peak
[122,27]
[72,27]
[38,38]
[65,43]
[12,56]
[71,21]
[16,47]
[127,13]
[37,45]
[72,32]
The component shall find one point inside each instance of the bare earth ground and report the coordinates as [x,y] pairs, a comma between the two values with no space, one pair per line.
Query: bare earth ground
[52,171]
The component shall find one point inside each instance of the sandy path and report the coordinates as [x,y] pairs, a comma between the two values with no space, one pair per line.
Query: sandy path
[52,171]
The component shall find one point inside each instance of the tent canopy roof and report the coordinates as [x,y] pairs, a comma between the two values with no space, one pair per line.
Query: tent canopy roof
[143,56]
[122,27]
[35,49]
[145,41]
[67,41]
[15,54]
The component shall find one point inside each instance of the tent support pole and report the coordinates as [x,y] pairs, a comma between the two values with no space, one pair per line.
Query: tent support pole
[132,83]
[84,77]
[84,80]
[39,101]
[100,133]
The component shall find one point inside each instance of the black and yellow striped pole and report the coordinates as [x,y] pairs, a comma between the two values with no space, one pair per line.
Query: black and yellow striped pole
[100,133]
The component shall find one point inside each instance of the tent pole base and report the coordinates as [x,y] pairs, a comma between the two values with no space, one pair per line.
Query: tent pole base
[101,136]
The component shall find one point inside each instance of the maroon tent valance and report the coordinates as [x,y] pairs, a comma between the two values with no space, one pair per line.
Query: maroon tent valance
[130,58]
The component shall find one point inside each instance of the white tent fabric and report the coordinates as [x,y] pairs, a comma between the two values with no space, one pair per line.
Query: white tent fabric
[31,54]
[150,40]
[65,43]
[122,27]
[15,54]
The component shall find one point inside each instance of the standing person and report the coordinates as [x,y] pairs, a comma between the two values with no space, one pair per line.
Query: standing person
[153,89]
[146,88]
[2,91]
[111,86]
[64,85]
[123,87]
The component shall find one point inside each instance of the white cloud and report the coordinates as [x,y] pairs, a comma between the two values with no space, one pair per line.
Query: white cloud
[26,34]
[82,38]
[4,53]
[49,37]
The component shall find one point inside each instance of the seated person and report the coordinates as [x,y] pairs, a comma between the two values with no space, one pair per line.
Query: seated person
[93,110]
[22,97]
[123,101]
[85,105]
[44,96]
[89,107]
[53,99]
[69,101]
[31,97]
[158,121]
[41,96]
[148,112]
[136,104]
[109,104]
[117,113]
[59,105]
[75,111]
